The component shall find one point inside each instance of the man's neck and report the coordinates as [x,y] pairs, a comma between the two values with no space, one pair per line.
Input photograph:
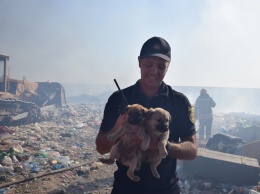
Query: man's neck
[149,91]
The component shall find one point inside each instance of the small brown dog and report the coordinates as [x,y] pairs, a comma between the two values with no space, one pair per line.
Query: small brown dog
[157,126]
[132,136]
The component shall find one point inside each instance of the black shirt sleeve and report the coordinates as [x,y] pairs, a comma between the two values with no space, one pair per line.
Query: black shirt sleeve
[111,112]
[184,123]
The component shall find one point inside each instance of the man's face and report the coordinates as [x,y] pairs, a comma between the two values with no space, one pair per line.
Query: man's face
[153,70]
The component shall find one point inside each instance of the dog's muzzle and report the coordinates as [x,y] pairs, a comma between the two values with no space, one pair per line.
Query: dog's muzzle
[162,127]
[134,121]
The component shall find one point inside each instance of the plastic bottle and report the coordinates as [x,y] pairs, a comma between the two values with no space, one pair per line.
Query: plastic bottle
[181,184]
[7,161]
[18,168]
[6,168]
[186,185]
[222,130]
[26,166]
[14,159]
[80,145]
[57,166]
[206,185]
[65,160]
[34,166]
[18,149]
[31,166]
[237,189]
[42,153]
[52,154]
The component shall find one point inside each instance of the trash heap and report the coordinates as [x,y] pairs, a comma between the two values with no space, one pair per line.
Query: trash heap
[59,156]
[228,162]
[66,143]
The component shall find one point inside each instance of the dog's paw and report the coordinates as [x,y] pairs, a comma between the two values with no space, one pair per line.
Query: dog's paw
[163,154]
[137,168]
[155,174]
[132,176]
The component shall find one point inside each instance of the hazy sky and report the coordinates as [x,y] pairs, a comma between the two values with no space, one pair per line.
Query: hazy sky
[214,42]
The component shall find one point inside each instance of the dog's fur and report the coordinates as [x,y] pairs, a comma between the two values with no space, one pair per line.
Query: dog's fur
[157,126]
[125,149]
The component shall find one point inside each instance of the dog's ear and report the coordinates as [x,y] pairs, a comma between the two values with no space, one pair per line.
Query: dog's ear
[149,113]
[170,118]
[122,108]
[127,108]
[144,110]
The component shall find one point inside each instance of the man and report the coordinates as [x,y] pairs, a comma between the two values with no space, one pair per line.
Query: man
[203,111]
[151,92]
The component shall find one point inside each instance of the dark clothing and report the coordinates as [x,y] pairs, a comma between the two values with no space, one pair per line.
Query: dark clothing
[203,106]
[203,112]
[181,126]
[205,123]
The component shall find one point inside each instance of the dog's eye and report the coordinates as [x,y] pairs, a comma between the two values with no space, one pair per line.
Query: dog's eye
[158,119]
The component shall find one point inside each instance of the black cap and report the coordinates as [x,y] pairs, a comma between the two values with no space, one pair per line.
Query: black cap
[158,47]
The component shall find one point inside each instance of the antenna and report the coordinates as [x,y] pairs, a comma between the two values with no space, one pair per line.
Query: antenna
[122,95]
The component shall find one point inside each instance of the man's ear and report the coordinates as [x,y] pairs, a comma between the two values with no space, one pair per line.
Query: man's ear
[168,64]
[139,62]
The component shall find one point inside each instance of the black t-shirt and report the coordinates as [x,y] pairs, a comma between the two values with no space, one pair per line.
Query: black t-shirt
[181,126]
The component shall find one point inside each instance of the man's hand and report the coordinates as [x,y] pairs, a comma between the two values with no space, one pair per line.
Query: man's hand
[121,120]
[103,145]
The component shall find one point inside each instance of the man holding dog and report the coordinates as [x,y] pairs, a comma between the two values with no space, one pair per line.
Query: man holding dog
[150,91]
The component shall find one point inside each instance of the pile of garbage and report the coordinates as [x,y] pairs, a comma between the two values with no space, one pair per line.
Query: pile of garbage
[67,142]
[229,161]
[64,142]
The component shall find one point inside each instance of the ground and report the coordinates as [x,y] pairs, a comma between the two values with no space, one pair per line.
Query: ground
[71,133]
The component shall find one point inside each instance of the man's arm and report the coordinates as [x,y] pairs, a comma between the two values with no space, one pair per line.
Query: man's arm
[103,145]
[212,102]
[186,149]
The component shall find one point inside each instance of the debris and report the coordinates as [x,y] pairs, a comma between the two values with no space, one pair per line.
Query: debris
[41,175]
[22,101]
[252,150]
[224,167]
[59,145]
[248,134]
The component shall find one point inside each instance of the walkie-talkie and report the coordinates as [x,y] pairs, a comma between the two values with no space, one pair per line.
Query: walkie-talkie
[122,107]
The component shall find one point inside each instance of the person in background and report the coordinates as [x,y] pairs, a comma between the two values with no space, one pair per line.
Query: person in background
[150,91]
[203,112]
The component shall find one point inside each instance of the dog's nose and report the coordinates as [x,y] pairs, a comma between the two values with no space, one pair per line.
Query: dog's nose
[162,127]
[134,121]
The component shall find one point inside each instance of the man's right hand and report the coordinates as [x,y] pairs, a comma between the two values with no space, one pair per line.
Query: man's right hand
[121,120]
[103,145]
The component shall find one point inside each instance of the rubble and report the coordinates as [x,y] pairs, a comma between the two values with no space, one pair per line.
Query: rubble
[55,156]
[229,161]
[248,133]
[224,167]
[22,101]
[59,156]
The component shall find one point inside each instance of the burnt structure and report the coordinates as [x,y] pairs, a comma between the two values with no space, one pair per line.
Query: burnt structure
[21,101]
